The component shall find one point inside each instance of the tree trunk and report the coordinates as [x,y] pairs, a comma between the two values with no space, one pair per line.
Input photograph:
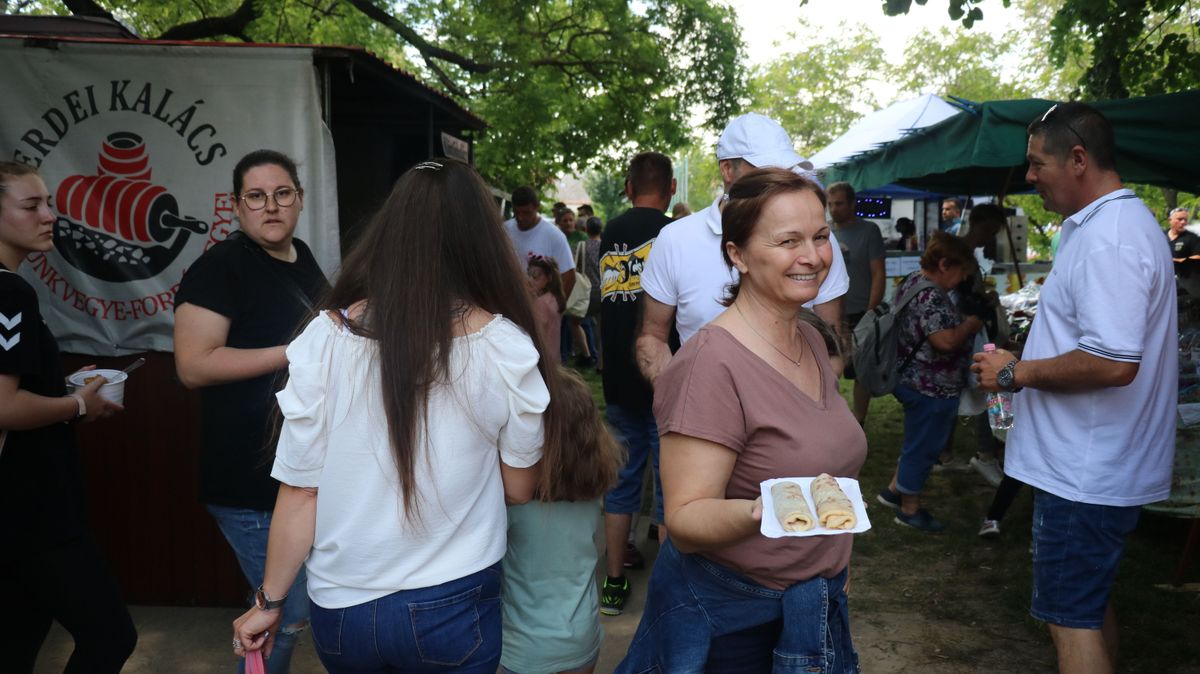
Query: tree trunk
[1172,197]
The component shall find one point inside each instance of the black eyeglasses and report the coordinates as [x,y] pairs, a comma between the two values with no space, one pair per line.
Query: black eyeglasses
[1048,119]
[256,200]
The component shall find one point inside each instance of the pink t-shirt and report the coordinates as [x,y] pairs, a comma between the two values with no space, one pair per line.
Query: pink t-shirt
[716,389]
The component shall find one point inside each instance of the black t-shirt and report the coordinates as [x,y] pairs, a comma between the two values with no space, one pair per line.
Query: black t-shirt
[41,480]
[1185,245]
[261,296]
[624,246]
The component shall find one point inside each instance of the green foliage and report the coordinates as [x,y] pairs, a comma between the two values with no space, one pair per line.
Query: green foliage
[965,11]
[1139,47]
[607,189]
[818,92]
[704,176]
[557,80]
[961,64]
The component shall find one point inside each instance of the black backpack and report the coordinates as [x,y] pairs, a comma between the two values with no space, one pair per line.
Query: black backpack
[876,341]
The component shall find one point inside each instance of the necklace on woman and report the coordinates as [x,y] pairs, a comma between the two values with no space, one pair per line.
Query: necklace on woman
[750,325]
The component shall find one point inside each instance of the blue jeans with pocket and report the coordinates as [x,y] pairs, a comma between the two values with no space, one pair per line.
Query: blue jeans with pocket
[703,617]
[1077,548]
[246,531]
[452,627]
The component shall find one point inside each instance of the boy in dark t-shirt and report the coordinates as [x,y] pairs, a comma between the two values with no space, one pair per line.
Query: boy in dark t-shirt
[624,246]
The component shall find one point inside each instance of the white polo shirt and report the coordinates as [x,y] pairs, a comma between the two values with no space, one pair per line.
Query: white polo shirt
[545,239]
[686,270]
[1111,294]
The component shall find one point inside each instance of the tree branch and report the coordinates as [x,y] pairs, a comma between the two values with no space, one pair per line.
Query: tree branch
[88,8]
[451,87]
[427,49]
[233,25]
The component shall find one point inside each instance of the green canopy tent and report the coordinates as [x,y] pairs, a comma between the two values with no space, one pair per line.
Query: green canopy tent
[982,151]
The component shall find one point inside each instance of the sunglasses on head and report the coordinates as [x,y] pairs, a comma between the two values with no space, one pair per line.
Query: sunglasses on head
[1048,118]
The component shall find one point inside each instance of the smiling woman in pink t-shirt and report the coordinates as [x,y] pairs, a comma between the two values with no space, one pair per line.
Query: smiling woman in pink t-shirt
[751,397]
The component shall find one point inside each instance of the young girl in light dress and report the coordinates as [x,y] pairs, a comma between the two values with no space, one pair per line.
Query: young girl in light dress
[549,301]
[551,606]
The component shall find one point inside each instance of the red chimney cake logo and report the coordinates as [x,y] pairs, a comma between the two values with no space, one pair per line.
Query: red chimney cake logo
[118,225]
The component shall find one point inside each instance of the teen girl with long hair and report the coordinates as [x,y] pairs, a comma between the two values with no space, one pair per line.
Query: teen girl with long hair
[413,413]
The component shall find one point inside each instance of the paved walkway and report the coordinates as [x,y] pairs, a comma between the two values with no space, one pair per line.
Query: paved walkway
[174,640]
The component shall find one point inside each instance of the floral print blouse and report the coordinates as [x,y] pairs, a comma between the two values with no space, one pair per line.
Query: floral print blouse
[931,372]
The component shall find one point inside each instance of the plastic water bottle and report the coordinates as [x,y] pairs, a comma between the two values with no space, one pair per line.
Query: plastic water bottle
[999,405]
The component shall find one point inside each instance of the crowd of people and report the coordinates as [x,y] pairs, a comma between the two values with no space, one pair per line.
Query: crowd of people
[438,479]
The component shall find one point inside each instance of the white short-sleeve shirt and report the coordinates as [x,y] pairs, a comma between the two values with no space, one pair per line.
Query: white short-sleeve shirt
[1111,293]
[335,438]
[544,239]
[686,270]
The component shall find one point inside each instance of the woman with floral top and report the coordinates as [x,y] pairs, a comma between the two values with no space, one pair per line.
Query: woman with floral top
[933,332]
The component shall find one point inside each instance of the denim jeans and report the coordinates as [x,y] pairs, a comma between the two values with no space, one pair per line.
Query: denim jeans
[589,333]
[246,531]
[637,430]
[1076,551]
[927,423]
[697,612]
[452,627]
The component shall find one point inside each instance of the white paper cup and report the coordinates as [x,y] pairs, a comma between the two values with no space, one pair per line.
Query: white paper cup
[113,389]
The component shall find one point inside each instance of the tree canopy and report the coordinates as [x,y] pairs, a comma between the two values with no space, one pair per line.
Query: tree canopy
[818,91]
[1132,47]
[562,83]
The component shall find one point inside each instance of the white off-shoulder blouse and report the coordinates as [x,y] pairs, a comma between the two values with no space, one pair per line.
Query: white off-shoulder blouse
[335,438]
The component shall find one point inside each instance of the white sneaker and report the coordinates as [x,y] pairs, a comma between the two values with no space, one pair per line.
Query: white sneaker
[989,529]
[989,469]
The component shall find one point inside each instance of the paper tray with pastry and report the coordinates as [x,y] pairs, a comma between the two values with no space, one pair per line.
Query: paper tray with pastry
[792,509]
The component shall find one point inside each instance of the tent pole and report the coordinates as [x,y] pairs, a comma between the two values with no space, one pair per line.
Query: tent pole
[1012,245]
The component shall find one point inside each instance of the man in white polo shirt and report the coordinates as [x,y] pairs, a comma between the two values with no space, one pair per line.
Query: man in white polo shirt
[1094,430]
[685,275]
[533,234]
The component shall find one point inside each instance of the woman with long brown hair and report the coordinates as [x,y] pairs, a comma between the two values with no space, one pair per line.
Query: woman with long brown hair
[413,413]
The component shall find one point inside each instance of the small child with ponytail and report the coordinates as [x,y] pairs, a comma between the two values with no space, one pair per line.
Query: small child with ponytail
[551,605]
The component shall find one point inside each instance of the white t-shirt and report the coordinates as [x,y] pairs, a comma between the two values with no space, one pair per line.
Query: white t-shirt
[335,438]
[686,270]
[545,239]
[1111,293]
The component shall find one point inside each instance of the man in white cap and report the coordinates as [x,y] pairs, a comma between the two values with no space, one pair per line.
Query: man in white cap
[685,276]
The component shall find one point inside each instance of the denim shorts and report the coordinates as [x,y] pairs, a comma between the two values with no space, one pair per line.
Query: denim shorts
[452,627]
[638,432]
[1076,550]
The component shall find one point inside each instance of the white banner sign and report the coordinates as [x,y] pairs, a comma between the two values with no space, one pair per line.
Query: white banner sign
[137,145]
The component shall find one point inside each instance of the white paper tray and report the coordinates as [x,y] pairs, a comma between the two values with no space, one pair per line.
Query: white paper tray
[771,528]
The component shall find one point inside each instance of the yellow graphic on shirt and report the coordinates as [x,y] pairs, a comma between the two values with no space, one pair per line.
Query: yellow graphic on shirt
[621,272]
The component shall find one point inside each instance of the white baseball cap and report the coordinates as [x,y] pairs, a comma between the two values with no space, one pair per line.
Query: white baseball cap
[761,141]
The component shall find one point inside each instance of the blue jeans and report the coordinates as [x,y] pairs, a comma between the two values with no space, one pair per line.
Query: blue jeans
[638,431]
[702,617]
[589,333]
[1076,550]
[452,627]
[246,531]
[927,423]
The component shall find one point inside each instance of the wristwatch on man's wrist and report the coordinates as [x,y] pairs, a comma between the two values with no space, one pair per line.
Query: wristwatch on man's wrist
[1006,377]
[263,601]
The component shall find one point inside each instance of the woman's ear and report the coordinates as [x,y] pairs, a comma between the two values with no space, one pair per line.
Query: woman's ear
[735,256]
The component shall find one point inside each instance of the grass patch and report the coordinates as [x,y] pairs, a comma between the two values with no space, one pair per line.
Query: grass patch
[964,602]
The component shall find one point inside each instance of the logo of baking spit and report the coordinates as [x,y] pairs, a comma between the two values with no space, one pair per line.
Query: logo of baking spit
[118,225]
